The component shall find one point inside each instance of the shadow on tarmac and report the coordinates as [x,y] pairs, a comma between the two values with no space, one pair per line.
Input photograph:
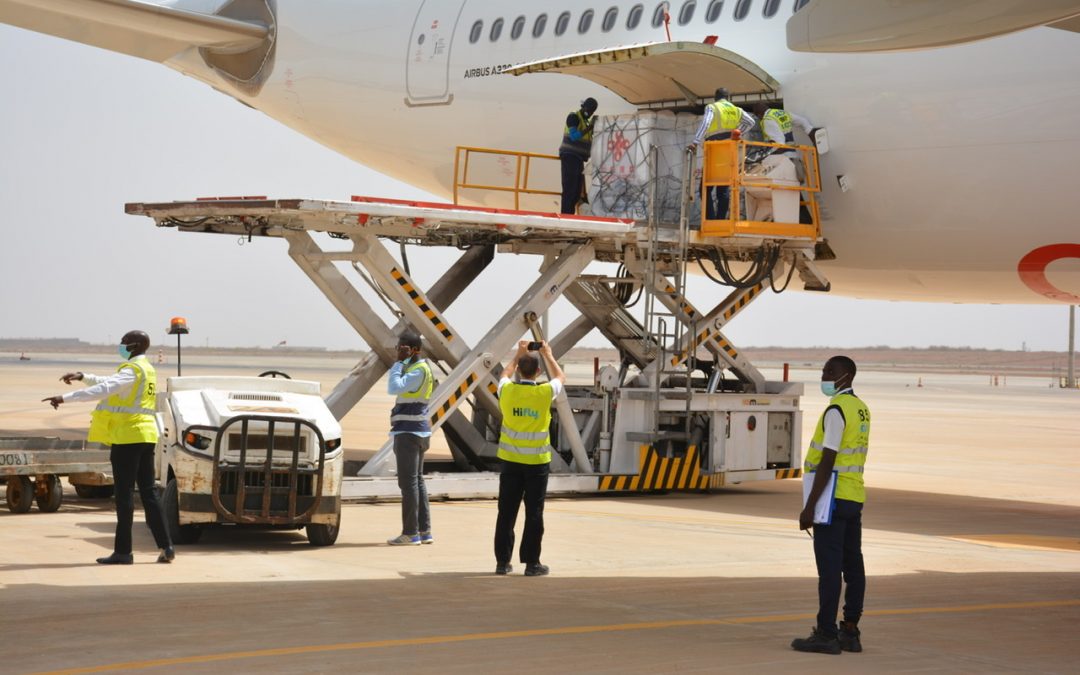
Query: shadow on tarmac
[889,510]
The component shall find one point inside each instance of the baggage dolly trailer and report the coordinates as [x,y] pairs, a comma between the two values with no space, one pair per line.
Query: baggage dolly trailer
[32,466]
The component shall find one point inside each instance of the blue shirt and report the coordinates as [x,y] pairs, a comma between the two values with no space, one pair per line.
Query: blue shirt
[400,383]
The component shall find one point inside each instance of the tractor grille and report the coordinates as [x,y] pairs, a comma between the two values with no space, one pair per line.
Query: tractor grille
[256,480]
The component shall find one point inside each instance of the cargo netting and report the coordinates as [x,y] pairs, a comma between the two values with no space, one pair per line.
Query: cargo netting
[619,176]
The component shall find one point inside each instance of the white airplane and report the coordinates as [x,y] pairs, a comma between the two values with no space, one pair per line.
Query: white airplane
[958,163]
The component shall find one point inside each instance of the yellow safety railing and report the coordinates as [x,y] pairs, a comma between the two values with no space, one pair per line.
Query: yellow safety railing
[725,166]
[522,174]
[523,161]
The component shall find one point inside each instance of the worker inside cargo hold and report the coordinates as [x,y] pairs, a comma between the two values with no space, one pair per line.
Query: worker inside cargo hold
[778,126]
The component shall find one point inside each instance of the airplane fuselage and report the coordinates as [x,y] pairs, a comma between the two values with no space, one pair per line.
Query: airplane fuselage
[959,161]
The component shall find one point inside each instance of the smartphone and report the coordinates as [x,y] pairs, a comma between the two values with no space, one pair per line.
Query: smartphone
[534,346]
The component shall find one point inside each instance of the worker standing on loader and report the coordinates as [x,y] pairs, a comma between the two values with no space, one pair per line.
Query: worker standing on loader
[574,152]
[721,118]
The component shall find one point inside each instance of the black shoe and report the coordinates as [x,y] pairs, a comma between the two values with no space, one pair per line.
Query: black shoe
[536,570]
[503,568]
[849,637]
[817,642]
[167,555]
[117,559]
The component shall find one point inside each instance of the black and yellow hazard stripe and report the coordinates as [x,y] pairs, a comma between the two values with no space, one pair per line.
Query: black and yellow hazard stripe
[684,305]
[710,332]
[448,404]
[703,335]
[728,348]
[742,302]
[421,302]
[781,474]
[660,473]
[700,338]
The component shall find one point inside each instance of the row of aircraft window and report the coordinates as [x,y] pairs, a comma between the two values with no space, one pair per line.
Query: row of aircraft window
[633,18]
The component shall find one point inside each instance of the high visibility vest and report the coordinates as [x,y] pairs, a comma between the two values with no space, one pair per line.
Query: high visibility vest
[725,119]
[410,413]
[129,419]
[851,455]
[783,119]
[581,147]
[526,418]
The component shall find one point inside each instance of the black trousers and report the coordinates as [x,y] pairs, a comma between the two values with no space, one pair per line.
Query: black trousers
[717,197]
[838,553]
[517,481]
[134,463]
[573,180]
[717,201]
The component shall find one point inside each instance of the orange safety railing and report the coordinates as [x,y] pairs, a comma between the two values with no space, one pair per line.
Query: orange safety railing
[725,166]
[522,173]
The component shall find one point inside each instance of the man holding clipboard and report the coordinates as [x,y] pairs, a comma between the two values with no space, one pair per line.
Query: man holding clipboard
[833,499]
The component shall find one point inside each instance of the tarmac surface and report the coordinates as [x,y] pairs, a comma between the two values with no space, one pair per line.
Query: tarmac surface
[971,540]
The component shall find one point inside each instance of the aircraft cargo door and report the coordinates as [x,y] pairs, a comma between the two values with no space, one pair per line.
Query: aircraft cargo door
[664,74]
[427,66]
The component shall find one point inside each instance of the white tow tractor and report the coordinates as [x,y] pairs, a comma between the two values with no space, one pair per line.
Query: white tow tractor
[249,451]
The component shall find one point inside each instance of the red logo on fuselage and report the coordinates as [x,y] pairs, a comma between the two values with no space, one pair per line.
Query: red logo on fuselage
[1032,270]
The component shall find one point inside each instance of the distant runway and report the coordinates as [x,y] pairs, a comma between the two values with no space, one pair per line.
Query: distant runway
[972,544]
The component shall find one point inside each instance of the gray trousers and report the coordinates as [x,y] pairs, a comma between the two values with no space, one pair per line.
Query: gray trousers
[409,450]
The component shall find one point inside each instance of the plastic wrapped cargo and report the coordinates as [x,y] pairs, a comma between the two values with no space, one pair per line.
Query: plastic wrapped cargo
[620,177]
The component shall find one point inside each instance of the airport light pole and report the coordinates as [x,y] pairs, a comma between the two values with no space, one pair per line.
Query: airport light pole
[1071,381]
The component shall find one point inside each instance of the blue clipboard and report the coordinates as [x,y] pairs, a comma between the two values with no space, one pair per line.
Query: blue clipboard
[826,504]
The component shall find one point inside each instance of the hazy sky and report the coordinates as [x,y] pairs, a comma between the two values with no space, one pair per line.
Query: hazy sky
[82,131]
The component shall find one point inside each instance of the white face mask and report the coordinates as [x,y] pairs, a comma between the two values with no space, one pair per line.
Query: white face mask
[828,388]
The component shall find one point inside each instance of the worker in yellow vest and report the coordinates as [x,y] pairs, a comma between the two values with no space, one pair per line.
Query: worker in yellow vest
[412,382]
[834,462]
[721,118]
[525,454]
[574,151]
[125,420]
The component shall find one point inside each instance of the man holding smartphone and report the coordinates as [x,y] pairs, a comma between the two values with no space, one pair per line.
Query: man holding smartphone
[412,382]
[525,454]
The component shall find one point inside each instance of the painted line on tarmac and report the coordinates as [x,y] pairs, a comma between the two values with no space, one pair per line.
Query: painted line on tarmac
[538,632]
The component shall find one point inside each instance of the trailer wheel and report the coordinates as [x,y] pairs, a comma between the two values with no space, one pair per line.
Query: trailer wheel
[20,494]
[52,494]
[321,534]
[180,534]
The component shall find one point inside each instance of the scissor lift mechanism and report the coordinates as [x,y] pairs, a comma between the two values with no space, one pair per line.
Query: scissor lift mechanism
[567,245]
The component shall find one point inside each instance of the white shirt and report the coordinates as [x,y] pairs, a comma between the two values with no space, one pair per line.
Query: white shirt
[834,425]
[773,133]
[103,386]
[556,386]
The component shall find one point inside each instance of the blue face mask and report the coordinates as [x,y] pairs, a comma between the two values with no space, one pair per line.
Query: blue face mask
[124,352]
[828,388]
